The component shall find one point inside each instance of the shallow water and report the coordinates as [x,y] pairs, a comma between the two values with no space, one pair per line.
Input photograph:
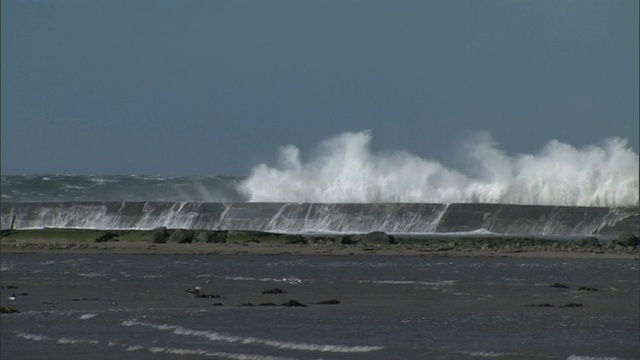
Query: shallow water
[392,307]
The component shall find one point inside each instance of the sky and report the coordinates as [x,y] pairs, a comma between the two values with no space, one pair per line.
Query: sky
[186,87]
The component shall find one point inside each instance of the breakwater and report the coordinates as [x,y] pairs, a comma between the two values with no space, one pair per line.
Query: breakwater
[407,218]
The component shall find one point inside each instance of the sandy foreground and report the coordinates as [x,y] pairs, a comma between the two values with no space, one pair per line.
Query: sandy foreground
[176,241]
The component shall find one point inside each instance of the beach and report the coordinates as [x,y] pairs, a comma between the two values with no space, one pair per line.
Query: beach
[180,294]
[111,305]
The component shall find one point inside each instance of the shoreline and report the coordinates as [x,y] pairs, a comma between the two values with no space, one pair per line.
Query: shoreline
[202,242]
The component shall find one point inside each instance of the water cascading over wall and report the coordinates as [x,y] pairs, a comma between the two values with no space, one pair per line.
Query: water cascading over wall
[411,218]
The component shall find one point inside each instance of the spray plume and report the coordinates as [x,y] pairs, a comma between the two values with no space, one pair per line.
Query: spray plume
[344,170]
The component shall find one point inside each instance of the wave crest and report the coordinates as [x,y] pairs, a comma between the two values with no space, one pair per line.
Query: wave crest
[345,170]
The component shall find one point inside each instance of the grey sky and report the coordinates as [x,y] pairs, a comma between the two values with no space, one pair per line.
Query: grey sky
[215,87]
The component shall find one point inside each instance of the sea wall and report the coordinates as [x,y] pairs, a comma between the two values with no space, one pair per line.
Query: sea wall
[407,218]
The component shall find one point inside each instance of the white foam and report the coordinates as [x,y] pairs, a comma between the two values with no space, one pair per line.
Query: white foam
[62,340]
[346,171]
[87,316]
[412,282]
[581,357]
[226,355]
[291,280]
[92,274]
[489,354]
[166,350]
[221,337]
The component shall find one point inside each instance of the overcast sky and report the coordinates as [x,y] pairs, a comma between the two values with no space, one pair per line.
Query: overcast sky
[179,87]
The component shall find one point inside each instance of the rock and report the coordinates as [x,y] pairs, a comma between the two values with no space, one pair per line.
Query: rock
[376,237]
[628,239]
[181,236]
[159,235]
[196,292]
[570,305]
[586,242]
[109,236]
[559,286]
[208,296]
[540,305]
[587,288]
[210,237]
[294,239]
[329,302]
[293,303]
[347,240]
[247,304]
[273,291]
[567,305]
[8,310]
[217,304]
[268,304]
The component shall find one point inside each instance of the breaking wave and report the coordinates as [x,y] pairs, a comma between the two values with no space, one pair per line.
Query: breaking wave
[345,170]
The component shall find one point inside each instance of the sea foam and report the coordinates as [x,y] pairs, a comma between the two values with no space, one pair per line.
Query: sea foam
[221,337]
[345,170]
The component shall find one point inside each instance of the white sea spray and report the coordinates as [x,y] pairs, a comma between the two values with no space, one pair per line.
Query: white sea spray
[221,337]
[345,170]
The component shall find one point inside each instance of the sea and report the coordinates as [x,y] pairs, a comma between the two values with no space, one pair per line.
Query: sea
[117,306]
[104,306]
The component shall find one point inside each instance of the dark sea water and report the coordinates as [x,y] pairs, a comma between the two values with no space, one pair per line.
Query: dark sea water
[405,307]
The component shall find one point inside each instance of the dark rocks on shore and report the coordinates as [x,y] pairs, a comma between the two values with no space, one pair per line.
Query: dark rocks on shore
[623,242]
[206,236]
[571,305]
[375,237]
[295,239]
[109,236]
[181,236]
[267,304]
[587,288]
[207,296]
[8,310]
[293,303]
[540,305]
[196,292]
[567,305]
[159,235]
[628,239]
[559,286]
[328,302]
[589,241]
[273,291]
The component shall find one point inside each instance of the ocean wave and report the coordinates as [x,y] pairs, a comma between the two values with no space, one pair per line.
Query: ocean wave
[345,170]
[216,336]
[292,280]
[155,349]
[412,282]
[61,340]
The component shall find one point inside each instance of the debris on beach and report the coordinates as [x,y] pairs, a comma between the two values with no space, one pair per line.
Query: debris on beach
[8,310]
[273,291]
[196,292]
